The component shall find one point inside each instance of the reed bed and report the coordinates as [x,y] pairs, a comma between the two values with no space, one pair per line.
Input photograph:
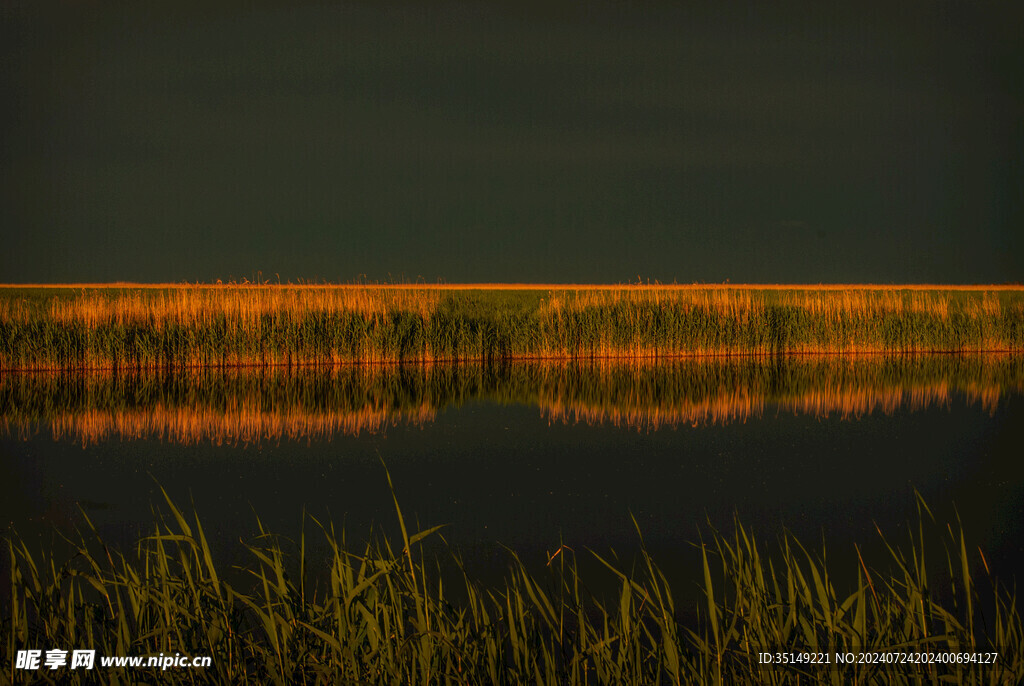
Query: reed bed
[261,325]
[248,405]
[388,612]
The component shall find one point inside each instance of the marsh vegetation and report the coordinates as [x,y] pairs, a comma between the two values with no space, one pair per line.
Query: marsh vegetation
[517,409]
[189,326]
[388,612]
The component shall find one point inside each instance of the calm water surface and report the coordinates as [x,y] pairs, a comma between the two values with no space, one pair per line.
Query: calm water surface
[529,456]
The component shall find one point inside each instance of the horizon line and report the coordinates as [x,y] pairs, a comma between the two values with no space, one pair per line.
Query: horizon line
[525,286]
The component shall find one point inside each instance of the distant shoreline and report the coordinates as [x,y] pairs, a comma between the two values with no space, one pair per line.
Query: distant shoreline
[223,326]
[537,286]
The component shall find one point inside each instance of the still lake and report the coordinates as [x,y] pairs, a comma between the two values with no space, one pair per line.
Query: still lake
[528,456]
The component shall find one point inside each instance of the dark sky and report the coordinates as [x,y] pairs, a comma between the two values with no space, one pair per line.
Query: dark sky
[169,141]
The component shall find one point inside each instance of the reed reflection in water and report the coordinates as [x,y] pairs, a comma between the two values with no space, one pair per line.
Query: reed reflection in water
[723,390]
[254,405]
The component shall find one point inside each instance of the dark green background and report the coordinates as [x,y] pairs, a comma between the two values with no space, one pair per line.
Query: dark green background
[163,141]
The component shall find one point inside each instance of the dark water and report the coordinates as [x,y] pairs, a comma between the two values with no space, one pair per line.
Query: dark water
[530,456]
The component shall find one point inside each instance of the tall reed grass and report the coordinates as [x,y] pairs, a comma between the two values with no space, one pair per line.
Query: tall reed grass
[388,613]
[95,328]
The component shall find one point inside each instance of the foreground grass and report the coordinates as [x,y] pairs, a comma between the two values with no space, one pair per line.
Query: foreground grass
[384,615]
[220,326]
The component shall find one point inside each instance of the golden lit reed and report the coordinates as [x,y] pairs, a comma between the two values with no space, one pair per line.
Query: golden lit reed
[198,305]
[827,302]
[267,326]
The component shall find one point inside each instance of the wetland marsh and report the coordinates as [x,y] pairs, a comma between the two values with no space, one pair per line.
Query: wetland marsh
[630,445]
[252,325]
